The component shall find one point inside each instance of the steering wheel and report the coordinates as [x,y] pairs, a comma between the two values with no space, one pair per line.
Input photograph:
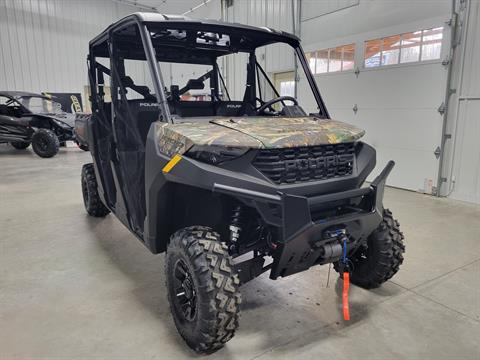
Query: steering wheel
[269,103]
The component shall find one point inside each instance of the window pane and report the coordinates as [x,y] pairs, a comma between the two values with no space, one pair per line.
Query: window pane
[348,57]
[335,62]
[411,47]
[373,49]
[322,61]
[391,50]
[287,88]
[311,61]
[433,34]
[432,43]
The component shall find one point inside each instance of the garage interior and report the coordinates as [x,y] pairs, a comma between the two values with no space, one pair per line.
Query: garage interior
[73,286]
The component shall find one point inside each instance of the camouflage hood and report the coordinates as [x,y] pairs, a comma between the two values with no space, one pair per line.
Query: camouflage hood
[254,132]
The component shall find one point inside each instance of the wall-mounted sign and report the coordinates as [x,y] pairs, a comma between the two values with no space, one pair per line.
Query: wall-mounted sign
[70,102]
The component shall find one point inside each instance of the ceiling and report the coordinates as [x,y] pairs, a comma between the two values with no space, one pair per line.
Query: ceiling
[170,6]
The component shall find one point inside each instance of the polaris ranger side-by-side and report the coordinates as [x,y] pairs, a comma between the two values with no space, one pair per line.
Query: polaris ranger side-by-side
[206,177]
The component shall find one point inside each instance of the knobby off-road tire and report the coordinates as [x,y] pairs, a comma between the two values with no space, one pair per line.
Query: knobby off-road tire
[20,145]
[45,143]
[202,288]
[381,258]
[91,200]
[83,147]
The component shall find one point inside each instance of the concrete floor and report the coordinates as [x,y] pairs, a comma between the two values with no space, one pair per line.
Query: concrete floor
[72,286]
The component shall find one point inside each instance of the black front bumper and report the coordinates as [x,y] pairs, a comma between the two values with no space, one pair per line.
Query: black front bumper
[306,227]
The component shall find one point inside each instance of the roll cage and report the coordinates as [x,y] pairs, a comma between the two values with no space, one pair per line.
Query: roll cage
[178,39]
[15,98]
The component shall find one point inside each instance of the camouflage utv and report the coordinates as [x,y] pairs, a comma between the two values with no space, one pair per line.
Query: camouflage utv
[206,177]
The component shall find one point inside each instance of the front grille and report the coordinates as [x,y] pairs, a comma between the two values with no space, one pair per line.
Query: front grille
[302,164]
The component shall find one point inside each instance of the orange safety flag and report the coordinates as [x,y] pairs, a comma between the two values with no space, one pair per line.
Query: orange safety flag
[346,285]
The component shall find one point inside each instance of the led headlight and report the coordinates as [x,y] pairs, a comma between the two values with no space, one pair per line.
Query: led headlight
[215,154]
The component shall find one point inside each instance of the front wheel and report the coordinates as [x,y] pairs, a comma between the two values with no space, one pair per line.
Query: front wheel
[380,258]
[20,145]
[83,147]
[45,143]
[202,288]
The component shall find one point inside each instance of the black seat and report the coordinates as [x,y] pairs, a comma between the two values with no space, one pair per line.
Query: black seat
[4,110]
[146,112]
[233,108]
[192,108]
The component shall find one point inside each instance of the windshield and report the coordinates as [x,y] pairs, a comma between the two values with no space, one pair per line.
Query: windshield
[40,105]
[209,70]
[222,66]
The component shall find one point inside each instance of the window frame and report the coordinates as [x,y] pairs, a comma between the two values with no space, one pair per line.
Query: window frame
[315,53]
[399,62]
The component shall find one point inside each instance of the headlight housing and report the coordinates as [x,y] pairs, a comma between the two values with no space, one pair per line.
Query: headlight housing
[213,154]
[61,124]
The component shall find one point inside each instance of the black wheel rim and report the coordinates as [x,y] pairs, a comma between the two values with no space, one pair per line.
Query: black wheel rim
[42,144]
[185,296]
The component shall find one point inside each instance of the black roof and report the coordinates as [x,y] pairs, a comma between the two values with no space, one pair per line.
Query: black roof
[181,21]
[19,94]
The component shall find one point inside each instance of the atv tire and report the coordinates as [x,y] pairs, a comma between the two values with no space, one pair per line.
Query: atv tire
[382,256]
[91,199]
[20,145]
[202,288]
[83,147]
[45,143]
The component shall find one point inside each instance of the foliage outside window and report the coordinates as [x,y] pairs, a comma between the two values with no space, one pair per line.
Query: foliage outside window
[341,58]
[422,45]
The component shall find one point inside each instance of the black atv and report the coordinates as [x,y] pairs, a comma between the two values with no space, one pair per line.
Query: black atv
[207,179]
[28,118]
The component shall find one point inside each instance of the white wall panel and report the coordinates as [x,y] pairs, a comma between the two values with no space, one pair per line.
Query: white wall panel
[369,16]
[44,43]
[313,8]
[466,166]
[462,165]
[210,10]
[275,14]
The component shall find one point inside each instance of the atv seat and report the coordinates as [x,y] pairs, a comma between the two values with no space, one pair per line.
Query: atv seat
[207,108]
[191,108]
[3,110]
[146,112]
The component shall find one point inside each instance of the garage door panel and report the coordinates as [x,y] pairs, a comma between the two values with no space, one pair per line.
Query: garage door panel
[400,129]
[411,167]
[397,107]
[394,139]
[412,86]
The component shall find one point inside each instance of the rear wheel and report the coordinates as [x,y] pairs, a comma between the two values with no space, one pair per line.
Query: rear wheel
[45,143]
[20,145]
[202,288]
[380,258]
[91,199]
[83,147]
